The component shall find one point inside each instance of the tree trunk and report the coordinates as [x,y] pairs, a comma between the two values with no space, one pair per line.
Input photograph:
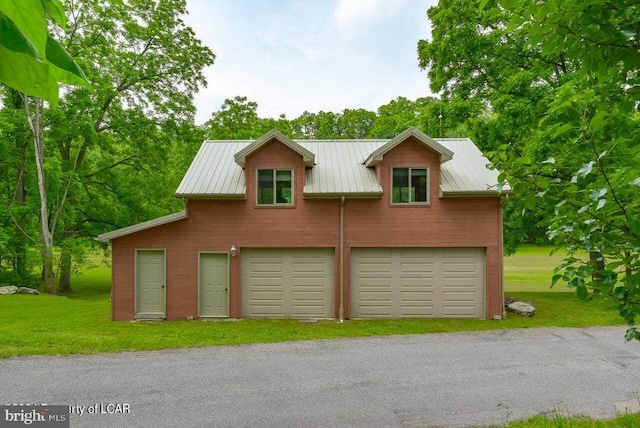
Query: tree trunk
[48,274]
[35,123]
[20,251]
[596,256]
[64,286]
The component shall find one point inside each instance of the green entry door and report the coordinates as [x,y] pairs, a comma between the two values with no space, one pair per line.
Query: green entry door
[150,283]
[214,285]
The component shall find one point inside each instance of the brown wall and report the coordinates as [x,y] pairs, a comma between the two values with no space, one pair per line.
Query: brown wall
[216,225]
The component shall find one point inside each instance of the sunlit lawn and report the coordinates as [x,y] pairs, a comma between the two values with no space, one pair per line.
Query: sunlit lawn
[531,269]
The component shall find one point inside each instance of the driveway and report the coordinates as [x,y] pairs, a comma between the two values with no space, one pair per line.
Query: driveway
[435,380]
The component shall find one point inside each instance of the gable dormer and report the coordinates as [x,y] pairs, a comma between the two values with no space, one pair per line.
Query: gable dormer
[308,157]
[377,155]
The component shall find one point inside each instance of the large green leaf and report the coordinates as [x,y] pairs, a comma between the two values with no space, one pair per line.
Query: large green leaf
[66,70]
[29,17]
[55,9]
[27,75]
[13,39]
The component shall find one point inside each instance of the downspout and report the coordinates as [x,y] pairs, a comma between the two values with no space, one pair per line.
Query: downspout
[341,298]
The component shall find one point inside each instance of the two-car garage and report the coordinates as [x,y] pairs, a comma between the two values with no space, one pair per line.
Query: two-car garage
[384,282]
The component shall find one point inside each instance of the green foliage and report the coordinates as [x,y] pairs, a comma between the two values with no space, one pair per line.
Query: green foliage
[562,84]
[32,61]
[114,155]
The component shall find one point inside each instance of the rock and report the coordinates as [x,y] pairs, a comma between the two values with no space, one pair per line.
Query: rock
[8,289]
[27,290]
[521,308]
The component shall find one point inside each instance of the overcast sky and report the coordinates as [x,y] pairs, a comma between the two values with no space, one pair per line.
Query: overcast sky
[295,55]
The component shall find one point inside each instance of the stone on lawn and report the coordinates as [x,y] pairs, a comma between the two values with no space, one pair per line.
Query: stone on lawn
[8,289]
[27,290]
[521,308]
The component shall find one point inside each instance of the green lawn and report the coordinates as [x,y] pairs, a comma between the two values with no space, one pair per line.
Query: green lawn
[531,269]
[626,420]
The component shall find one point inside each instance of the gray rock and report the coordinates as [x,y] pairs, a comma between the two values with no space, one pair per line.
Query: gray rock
[521,308]
[27,290]
[8,289]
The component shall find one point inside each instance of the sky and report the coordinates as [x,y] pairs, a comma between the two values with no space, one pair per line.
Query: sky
[295,55]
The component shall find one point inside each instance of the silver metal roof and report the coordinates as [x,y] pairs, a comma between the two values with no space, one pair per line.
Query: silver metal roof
[106,237]
[467,172]
[339,169]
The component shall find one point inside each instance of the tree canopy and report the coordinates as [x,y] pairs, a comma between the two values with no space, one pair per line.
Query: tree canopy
[561,84]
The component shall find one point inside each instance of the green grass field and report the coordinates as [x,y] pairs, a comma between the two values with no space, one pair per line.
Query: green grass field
[531,269]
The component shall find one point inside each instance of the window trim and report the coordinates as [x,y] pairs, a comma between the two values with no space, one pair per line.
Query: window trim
[410,203]
[274,203]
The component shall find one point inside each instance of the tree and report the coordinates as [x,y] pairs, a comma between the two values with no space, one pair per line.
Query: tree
[561,82]
[146,66]
[237,119]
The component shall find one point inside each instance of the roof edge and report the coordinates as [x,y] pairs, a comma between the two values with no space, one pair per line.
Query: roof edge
[337,195]
[377,155]
[226,196]
[475,193]
[307,156]
[106,237]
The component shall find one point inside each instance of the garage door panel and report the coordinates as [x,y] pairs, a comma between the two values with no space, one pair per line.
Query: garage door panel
[438,282]
[459,312]
[302,279]
[459,296]
[266,310]
[369,311]
[408,311]
[375,296]
[416,296]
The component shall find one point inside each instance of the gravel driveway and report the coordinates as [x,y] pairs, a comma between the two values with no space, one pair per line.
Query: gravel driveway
[434,380]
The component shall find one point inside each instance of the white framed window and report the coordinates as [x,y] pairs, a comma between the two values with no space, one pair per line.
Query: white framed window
[275,187]
[410,186]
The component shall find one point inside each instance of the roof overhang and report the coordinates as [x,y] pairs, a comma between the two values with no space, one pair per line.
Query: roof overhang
[376,156]
[307,157]
[225,196]
[338,195]
[106,237]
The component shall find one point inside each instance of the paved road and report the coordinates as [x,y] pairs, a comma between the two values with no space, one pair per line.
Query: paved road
[438,380]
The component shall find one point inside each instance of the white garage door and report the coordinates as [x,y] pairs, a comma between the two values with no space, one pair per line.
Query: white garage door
[288,283]
[417,282]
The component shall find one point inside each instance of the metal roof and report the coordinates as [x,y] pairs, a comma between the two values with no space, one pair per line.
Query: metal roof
[340,169]
[106,237]
[467,172]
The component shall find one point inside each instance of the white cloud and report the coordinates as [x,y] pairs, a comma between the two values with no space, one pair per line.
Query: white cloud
[288,57]
[351,13]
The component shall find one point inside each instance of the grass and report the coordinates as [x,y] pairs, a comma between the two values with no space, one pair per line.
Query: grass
[626,420]
[531,269]
[81,324]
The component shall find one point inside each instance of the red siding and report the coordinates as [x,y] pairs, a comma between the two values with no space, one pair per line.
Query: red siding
[216,225]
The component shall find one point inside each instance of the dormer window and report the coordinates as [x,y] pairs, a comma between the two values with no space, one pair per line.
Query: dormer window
[410,186]
[275,187]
